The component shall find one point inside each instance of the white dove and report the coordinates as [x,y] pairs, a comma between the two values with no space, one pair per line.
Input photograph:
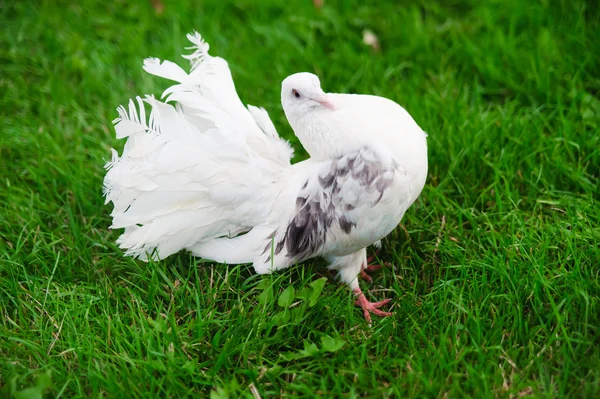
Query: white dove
[206,174]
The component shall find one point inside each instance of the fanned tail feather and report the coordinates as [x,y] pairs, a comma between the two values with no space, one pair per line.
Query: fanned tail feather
[199,167]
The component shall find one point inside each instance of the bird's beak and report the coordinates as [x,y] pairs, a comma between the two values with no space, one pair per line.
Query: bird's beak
[325,101]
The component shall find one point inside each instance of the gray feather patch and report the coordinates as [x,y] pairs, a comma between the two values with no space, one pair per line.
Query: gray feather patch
[323,205]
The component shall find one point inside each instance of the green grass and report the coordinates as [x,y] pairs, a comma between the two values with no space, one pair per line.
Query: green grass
[495,282]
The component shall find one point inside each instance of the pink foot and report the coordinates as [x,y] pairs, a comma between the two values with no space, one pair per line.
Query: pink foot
[370,307]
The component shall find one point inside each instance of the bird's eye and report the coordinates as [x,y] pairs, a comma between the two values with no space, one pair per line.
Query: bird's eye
[296,93]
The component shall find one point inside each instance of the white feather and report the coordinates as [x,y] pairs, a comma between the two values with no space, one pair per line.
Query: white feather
[166,69]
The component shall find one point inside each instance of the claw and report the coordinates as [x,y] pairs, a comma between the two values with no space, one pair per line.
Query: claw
[370,307]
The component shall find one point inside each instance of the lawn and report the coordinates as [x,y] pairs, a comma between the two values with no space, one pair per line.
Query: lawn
[495,280]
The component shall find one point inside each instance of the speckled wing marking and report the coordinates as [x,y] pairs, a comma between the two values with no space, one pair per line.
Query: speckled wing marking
[329,201]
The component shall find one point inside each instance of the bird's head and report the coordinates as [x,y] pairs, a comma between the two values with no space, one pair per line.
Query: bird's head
[301,93]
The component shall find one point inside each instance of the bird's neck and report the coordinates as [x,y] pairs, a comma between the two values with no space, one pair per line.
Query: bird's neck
[322,139]
[326,138]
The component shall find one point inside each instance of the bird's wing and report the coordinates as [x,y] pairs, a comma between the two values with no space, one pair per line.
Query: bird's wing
[337,207]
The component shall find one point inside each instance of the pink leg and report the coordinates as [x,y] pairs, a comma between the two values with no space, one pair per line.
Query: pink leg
[371,267]
[365,276]
[370,307]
